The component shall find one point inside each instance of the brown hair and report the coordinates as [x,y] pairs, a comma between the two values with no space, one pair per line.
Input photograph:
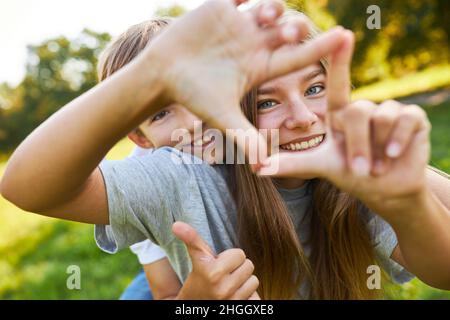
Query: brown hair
[341,246]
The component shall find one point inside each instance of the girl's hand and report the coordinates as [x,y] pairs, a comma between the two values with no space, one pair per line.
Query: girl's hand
[227,276]
[377,153]
[212,56]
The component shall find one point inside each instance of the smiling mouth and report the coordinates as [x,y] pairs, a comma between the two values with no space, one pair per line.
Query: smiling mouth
[303,143]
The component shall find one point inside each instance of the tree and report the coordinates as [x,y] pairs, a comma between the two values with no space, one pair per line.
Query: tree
[58,70]
[414,34]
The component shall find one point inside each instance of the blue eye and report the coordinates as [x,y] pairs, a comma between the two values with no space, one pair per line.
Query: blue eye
[316,89]
[266,104]
[160,115]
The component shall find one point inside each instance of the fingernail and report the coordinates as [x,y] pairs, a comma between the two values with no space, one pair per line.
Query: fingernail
[290,33]
[360,166]
[393,150]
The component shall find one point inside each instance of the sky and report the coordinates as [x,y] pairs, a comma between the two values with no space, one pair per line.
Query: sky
[24,22]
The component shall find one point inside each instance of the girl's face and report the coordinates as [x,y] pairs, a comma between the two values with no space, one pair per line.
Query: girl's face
[295,105]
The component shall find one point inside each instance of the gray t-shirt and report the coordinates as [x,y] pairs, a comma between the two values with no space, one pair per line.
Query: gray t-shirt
[146,195]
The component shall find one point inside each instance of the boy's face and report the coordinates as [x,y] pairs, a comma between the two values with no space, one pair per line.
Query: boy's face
[158,131]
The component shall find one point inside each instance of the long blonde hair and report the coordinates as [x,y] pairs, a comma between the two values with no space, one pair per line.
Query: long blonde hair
[341,245]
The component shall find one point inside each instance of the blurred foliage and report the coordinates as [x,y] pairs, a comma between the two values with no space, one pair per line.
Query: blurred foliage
[172,11]
[414,34]
[57,71]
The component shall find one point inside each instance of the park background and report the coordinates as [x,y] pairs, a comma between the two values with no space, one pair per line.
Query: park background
[407,59]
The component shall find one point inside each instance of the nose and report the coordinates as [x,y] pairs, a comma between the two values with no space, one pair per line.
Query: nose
[300,116]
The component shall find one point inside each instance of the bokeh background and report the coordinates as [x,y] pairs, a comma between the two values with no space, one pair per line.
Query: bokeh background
[406,59]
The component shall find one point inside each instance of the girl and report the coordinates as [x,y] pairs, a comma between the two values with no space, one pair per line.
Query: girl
[243,49]
[146,195]
[338,232]
[302,112]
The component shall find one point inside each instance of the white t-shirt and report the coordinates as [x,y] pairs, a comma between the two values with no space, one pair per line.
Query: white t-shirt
[147,251]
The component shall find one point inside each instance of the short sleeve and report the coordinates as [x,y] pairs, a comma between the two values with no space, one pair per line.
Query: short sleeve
[384,241]
[145,194]
[147,252]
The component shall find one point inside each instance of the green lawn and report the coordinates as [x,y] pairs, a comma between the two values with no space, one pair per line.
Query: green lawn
[35,251]
[423,81]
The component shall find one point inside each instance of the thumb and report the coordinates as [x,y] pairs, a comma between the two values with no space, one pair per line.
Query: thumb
[305,165]
[255,296]
[197,247]
[339,86]
[251,144]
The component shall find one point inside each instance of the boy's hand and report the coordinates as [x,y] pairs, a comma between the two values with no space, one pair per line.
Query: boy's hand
[212,56]
[377,153]
[228,275]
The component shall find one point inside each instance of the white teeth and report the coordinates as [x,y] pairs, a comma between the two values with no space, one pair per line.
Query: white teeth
[304,144]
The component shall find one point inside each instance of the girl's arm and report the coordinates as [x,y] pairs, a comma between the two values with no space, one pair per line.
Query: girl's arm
[439,183]
[54,171]
[379,154]
[422,226]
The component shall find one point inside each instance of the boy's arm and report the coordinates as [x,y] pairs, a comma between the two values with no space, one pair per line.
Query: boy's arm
[162,280]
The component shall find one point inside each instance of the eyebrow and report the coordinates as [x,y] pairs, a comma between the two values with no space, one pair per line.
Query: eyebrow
[313,74]
[308,77]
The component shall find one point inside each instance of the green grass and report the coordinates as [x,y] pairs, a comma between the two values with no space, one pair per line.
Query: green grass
[36,251]
[427,80]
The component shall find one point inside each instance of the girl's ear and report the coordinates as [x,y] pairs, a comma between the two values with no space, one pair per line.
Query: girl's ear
[140,139]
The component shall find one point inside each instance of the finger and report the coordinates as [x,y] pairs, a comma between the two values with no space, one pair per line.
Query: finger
[197,247]
[252,146]
[254,296]
[287,59]
[247,290]
[293,31]
[383,120]
[230,260]
[411,120]
[239,276]
[304,165]
[338,78]
[356,128]
[267,13]
[239,2]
